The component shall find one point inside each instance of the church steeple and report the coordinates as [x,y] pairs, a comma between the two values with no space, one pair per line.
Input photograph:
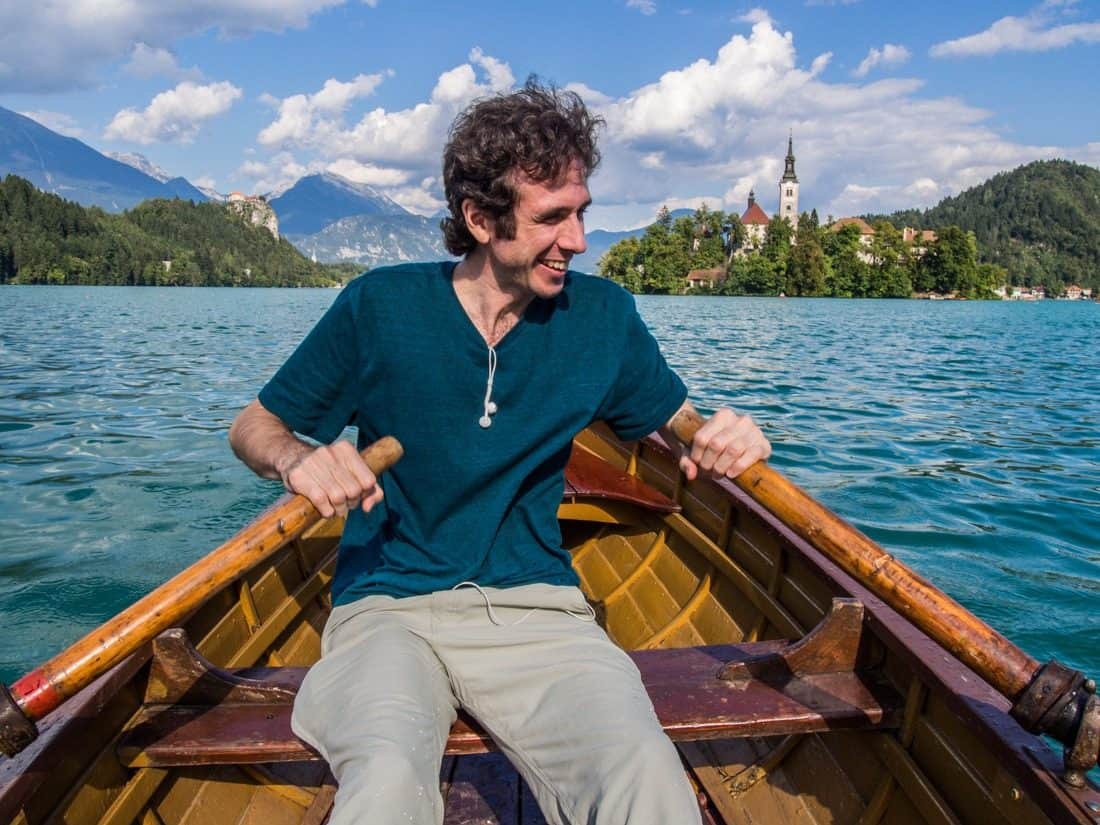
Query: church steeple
[788,171]
[788,187]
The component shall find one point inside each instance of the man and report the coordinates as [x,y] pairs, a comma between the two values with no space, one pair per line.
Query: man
[454,590]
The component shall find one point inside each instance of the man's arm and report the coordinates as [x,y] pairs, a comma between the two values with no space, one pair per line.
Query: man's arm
[726,445]
[334,477]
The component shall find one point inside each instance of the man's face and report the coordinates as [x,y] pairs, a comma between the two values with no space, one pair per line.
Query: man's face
[549,220]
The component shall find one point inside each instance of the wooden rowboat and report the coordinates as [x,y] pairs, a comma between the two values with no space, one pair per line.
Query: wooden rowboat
[795,693]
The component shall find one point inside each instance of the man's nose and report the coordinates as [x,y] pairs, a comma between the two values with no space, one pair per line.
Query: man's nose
[572,236]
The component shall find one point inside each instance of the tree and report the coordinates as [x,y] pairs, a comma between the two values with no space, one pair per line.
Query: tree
[888,273]
[777,242]
[623,264]
[752,275]
[951,263]
[846,276]
[806,264]
[666,257]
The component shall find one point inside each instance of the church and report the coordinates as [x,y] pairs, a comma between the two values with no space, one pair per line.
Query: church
[755,220]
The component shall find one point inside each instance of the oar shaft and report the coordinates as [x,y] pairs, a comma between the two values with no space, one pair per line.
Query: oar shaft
[984,650]
[42,690]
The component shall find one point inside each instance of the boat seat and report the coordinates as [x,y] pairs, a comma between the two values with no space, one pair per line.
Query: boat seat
[196,714]
[587,476]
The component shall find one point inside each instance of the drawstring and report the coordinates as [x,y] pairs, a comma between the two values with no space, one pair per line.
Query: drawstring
[490,406]
[588,616]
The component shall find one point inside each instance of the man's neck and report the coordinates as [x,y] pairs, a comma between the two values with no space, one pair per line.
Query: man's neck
[493,308]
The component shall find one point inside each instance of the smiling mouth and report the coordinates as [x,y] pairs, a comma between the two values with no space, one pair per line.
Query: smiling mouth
[557,266]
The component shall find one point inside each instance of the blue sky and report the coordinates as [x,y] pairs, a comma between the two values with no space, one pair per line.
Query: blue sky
[891,104]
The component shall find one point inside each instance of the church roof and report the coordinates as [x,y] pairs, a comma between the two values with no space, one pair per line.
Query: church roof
[712,275]
[864,227]
[755,215]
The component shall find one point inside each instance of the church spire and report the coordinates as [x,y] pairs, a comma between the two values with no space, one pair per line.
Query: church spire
[788,171]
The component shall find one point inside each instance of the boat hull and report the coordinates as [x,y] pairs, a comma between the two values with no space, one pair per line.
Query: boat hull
[715,569]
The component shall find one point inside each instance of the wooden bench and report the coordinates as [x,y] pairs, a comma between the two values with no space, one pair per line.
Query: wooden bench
[197,714]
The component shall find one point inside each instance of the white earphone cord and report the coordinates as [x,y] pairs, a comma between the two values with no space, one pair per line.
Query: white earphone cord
[490,408]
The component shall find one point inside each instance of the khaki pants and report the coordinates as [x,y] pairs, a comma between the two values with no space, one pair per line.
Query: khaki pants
[560,699]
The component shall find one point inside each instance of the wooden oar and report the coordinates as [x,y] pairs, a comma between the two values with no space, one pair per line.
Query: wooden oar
[1047,698]
[45,688]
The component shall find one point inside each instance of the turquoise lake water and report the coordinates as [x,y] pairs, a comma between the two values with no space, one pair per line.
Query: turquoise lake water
[965,437]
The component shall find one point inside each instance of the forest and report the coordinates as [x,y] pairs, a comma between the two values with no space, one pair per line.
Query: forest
[1040,221]
[822,261]
[45,239]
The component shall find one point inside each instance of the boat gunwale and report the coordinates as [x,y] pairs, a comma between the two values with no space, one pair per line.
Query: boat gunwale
[975,702]
[978,706]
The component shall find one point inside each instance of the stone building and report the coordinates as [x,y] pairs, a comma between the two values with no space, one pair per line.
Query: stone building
[866,236]
[755,220]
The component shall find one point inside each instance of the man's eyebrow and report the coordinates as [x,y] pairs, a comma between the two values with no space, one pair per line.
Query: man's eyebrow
[561,211]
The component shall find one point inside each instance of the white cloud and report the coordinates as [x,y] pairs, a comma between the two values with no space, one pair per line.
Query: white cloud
[205,182]
[174,116]
[410,139]
[276,173]
[720,124]
[755,16]
[644,6]
[1035,32]
[590,96]
[59,45]
[368,173]
[889,55]
[146,61]
[305,119]
[57,121]
[419,199]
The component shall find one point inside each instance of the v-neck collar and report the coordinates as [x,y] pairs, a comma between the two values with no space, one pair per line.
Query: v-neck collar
[535,306]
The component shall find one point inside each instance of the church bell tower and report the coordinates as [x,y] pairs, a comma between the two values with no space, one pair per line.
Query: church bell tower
[788,188]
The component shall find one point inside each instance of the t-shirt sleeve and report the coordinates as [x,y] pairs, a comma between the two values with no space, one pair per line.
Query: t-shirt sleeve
[646,393]
[313,393]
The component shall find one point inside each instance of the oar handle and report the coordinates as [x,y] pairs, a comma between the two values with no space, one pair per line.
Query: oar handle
[44,689]
[987,652]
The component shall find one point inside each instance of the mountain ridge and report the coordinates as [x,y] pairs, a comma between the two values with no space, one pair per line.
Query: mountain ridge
[72,169]
[1041,221]
[318,200]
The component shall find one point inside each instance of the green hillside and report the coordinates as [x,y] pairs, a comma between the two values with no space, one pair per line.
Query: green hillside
[1040,221]
[45,239]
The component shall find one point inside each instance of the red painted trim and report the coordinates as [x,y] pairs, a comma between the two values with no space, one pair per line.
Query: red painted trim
[36,694]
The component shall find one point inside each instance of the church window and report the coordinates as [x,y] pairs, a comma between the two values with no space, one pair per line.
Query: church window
[789,191]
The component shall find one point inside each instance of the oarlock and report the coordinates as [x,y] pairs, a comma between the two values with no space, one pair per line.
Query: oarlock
[16,730]
[1061,703]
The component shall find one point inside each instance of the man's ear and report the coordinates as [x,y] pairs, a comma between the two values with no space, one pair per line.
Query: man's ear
[477,221]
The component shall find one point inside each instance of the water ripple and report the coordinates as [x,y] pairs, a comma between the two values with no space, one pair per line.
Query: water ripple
[963,437]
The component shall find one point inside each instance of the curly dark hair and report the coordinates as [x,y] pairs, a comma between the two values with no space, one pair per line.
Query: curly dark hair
[538,130]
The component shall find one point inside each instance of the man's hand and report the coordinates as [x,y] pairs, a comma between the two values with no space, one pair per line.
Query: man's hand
[725,446]
[334,478]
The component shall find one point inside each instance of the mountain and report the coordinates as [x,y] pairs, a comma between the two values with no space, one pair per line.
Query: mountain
[46,239]
[316,201]
[68,167]
[1040,221]
[141,163]
[373,240]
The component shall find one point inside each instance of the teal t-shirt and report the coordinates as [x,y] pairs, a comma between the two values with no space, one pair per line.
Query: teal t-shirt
[397,355]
